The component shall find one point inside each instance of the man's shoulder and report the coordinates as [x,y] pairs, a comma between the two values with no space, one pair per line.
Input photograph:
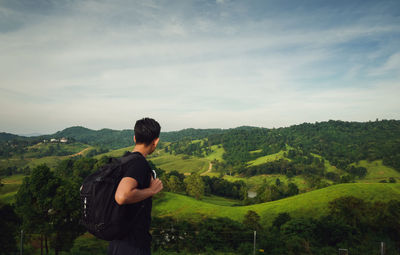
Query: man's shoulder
[136,160]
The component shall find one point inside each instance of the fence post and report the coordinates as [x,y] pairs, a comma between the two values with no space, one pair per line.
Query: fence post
[22,242]
[382,248]
[254,246]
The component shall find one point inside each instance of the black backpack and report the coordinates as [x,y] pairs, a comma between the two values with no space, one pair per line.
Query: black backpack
[101,215]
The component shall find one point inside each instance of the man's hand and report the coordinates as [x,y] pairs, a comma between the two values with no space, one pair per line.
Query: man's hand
[155,185]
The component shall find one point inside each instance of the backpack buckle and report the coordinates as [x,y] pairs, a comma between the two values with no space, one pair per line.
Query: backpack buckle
[99,227]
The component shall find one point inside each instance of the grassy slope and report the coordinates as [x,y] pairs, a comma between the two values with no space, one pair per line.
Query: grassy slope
[216,154]
[377,171]
[312,204]
[266,159]
[115,153]
[52,161]
[180,163]
[10,188]
[72,148]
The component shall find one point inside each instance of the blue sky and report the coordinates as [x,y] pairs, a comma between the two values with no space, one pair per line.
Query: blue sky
[200,64]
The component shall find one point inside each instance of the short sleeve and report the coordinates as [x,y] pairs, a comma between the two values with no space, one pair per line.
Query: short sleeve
[138,169]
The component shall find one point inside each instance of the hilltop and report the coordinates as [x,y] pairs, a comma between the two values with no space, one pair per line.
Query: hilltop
[310,204]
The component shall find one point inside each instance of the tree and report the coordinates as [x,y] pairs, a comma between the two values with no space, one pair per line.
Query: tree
[292,189]
[194,186]
[281,219]
[9,222]
[252,220]
[174,184]
[65,216]
[34,202]
[350,209]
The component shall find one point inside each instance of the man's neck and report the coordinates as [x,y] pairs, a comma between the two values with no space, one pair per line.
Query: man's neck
[142,149]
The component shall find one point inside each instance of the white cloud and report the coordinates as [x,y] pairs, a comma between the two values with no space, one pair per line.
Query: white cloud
[99,62]
[392,65]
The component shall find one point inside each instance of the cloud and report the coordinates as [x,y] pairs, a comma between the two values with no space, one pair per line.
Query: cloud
[392,65]
[203,64]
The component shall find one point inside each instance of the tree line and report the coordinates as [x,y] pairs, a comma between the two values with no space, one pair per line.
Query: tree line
[342,143]
[350,223]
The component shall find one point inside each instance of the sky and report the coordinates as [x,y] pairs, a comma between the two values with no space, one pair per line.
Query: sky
[196,64]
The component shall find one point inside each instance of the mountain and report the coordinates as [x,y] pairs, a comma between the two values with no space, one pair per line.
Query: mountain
[4,137]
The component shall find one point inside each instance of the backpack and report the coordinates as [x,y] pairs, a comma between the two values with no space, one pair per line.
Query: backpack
[101,214]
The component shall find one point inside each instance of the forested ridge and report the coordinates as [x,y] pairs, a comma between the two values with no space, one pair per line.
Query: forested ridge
[339,142]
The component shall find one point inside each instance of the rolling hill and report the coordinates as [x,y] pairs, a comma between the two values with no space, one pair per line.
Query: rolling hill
[312,203]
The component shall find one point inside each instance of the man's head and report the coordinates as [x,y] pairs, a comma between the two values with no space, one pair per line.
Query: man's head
[147,132]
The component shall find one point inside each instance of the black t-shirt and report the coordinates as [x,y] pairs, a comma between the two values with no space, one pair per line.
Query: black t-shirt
[139,169]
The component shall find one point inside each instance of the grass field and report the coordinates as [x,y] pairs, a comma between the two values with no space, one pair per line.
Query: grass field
[377,171]
[71,148]
[115,153]
[266,159]
[50,161]
[217,153]
[328,166]
[220,201]
[312,203]
[10,187]
[182,164]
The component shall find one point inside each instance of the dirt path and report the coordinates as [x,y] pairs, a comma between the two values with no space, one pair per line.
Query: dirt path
[209,169]
[80,153]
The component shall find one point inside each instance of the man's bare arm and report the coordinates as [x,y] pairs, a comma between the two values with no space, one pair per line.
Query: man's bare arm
[128,193]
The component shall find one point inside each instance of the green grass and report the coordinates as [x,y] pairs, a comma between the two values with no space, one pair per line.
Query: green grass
[8,191]
[71,148]
[308,204]
[13,179]
[50,161]
[29,159]
[328,166]
[216,154]
[115,153]
[216,200]
[266,159]
[10,188]
[14,161]
[377,171]
[180,163]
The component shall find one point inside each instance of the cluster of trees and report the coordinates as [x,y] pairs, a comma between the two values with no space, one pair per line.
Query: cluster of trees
[189,133]
[186,146]
[47,206]
[11,170]
[342,143]
[270,192]
[197,186]
[51,150]
[21,146]
[283,166]
[351,223]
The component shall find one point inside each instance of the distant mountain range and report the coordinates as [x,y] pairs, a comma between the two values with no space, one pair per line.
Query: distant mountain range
[111,138]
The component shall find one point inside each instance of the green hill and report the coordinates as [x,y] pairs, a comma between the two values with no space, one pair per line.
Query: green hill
[180,163]
[312,204]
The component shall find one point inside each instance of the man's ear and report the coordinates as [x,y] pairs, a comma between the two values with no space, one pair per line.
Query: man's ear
[134,139]
[155,142]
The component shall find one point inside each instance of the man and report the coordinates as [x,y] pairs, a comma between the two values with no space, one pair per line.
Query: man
[136,189]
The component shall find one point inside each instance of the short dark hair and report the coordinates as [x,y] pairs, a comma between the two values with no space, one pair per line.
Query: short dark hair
[146,130]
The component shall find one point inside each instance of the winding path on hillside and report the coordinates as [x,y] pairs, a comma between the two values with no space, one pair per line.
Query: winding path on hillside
[80,153]
[209,169]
